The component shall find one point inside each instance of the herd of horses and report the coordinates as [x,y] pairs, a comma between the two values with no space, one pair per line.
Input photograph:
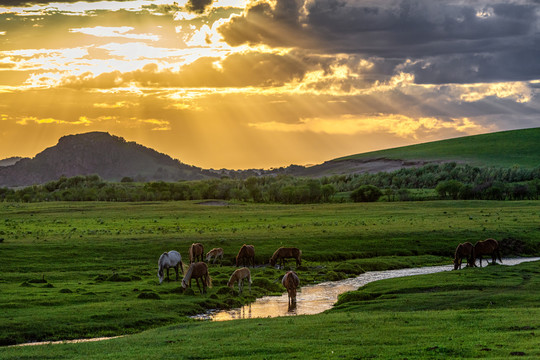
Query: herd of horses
[472,252]
[198,269]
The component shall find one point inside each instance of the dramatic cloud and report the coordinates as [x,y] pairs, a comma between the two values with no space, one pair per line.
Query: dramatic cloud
[493,42]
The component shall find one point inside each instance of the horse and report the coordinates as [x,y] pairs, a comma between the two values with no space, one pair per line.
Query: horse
[291,281]
[246,253]
[286,252]
[198,270]
[168,260]
[215,253]
[464,250]
[196,251]
[486,247]
[240,275]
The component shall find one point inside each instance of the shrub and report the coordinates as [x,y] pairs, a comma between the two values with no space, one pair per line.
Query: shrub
[366,193]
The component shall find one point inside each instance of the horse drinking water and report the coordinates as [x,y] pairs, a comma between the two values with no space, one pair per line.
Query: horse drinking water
[198,270]
[215,253]
[240,275]
[464,250]
[291,281]
[286,252]
[246,256]
[486,247]
[168,260]
[196,252]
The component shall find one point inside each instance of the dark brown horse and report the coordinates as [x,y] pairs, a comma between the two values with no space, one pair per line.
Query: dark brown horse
[198,270]
[286,253]
[464,250]
[196,252]
[291,281]
[486,247]
[246,255]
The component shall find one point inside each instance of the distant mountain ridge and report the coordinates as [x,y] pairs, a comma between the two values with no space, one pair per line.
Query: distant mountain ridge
[111,157]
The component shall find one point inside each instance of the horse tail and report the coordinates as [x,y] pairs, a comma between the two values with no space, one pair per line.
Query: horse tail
[208,279]
[191,254]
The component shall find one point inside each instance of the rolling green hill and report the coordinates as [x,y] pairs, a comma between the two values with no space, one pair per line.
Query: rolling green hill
[500,149]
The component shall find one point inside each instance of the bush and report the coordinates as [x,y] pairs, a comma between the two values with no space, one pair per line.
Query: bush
[366,193]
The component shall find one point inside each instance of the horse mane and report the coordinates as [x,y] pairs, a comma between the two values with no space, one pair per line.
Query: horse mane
[187,277]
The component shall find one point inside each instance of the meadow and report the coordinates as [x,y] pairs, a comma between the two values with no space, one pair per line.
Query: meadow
[75,270]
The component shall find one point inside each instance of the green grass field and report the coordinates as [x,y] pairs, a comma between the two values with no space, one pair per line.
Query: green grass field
[500,149]
[75,270]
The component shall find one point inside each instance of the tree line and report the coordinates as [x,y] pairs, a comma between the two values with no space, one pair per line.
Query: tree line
[448,181]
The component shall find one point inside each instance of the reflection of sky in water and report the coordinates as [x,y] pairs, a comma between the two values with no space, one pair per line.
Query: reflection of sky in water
[318,298]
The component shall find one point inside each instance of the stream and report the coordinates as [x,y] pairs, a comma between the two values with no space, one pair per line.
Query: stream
[311,299]
[314,299]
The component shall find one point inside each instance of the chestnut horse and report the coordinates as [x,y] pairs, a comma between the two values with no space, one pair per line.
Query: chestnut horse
[291,281]
[240,275]
[464,250]
[215,253]
[246,253]
[196,251]
[486,247]
[168,260]
[198,270]
[286,252]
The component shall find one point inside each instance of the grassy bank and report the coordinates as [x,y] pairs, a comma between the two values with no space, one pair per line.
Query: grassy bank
[74,270]
[501,320]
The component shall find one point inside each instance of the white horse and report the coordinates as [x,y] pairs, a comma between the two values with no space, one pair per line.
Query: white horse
[240,275]
[214,253]
[168,260]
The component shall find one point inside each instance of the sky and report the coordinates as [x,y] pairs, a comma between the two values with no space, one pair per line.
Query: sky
[260,84]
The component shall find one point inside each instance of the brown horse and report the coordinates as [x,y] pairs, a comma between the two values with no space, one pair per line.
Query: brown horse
[291,281]
[240,275]
[196,251]
[486,247]
[246,253]
[464,250]
[215,253]
[286,252]
[198,270]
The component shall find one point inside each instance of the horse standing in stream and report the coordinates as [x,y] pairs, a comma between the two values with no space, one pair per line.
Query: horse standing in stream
[291,281]
[486,247]
[464,250]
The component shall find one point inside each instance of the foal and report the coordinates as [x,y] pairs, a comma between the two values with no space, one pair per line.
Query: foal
[215,253]
[240,275]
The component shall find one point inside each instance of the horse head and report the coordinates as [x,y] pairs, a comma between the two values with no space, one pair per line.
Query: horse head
[160,275]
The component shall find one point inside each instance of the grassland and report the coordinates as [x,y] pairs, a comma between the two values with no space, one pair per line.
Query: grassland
[73,270]
[500,149]
[501,320]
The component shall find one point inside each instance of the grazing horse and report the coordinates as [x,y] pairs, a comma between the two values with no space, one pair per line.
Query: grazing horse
[246,253]
[215,253]
[464,250]
[168,260]
[284,252]
[291,281]
[196,251]
[198,270]
[486,247]
[240,275]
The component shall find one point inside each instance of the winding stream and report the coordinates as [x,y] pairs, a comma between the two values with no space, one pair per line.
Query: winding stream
[314,299]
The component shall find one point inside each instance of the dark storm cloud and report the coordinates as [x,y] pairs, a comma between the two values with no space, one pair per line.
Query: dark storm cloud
[198,6]
[499,38]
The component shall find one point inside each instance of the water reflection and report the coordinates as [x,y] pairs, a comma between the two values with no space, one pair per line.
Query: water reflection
[315,299]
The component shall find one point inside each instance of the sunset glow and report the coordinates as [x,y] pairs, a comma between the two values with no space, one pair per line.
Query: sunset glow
[260,84]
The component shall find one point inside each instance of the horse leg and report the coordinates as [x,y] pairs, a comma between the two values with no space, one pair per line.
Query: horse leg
[240,287]
[176,270]
[199,286]
[168,275]
[181,267]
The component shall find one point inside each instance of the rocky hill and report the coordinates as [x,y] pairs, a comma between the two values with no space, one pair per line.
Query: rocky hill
[110,157]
